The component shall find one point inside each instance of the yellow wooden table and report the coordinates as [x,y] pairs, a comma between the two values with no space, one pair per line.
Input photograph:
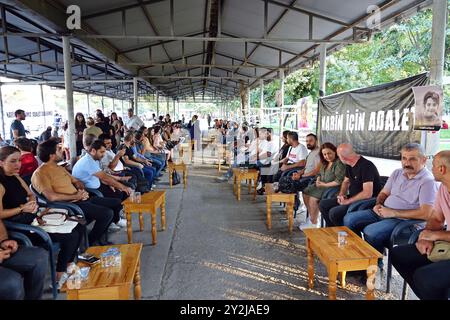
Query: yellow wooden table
[221,154]
[186,146]
[112,283]
[355,255]
[151,201]
[238,176]
[288,198]
[180,167]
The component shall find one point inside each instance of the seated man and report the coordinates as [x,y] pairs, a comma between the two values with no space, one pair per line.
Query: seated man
[22,269]
[301,179]
[132,161]
[56,184]
[362,181]
[429,280]
[295,159]
[409,193]
[89,172]
[112,165]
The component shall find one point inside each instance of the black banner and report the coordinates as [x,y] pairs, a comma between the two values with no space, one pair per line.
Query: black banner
[377,120]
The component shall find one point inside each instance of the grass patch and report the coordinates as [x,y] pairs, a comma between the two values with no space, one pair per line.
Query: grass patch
[445,134]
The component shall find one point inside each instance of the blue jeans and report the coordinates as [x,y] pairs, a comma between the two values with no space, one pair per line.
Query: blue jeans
[22,276]
[377,231]
[149,173]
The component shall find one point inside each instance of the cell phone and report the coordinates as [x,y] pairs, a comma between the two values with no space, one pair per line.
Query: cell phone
[88,258]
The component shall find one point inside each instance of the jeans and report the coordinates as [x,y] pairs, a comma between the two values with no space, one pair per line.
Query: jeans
[22,275]
[429,280]
[68,243]
[377,231]
[281,174]
[158,165]
[102,210]
[332,212]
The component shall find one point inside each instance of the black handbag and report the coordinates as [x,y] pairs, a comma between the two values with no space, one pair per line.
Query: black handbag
[175,178]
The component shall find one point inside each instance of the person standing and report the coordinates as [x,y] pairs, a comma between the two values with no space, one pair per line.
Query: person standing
[80,125]
[134,122]
[17,129]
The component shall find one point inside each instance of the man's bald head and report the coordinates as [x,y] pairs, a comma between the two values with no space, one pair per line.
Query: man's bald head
[443,158]
[441,166]
[346,153]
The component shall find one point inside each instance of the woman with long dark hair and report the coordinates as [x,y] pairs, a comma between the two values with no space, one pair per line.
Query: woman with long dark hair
[116,123]
[80,125]
[18,204]
[331,174]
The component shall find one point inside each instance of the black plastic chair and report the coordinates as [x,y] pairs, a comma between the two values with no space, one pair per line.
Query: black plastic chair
[20,237]
[17,228]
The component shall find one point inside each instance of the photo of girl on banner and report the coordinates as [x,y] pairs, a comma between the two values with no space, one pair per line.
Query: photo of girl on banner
[304,104]
[429,108]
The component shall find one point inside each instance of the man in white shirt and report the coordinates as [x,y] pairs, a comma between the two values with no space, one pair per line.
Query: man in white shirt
[295,159]
[133,122]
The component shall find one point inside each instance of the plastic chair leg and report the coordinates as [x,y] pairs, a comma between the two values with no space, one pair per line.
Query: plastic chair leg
[389,273]
[404,290]
[53,273]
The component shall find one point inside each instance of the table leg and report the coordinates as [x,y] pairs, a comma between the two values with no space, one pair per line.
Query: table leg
[250,186]
[269,212]
[170,178]
[290,213]
[310,264]
[141,221]
[239,190]
[137,281]
[371,277]
[153,214]
[332,277]
[163,214]
[129,229]
[234,183]
[343,274]
[254,190]
[185,178]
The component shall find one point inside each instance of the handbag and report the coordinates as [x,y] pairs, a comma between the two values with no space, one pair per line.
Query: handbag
[55,220]
[440,251]
[175,178]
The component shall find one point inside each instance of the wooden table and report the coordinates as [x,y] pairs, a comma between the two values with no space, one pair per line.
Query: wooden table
[151,201]
[221,154]
[185,146]
[238,176]
[288,198]
[356,255]
[180,167]
[113,283]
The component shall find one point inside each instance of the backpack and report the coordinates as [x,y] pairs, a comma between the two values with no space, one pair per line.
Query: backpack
[175,178]
[286,185]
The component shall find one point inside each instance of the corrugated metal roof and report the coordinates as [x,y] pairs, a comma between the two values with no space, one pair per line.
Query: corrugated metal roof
[211,66]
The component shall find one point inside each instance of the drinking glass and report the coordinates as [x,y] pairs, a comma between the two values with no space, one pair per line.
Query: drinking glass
[342,238]
[137,197]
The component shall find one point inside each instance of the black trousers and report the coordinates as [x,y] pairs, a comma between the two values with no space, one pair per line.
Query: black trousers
[103,211]
[429,280]
[109,193]
[68,243]
[332,212]
[22,275]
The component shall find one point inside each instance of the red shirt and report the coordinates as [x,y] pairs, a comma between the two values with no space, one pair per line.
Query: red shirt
[29,164]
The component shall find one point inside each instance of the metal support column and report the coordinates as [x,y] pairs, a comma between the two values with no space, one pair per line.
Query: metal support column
[281,114]
[431,140]
[69,96]
[261,102]
[323,70]
[88,104]
[43,105]
[2,113]
[135,95]
[157,104]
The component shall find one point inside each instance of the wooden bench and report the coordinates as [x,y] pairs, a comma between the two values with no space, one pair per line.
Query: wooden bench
[179,167]
[238,176]
[288,198]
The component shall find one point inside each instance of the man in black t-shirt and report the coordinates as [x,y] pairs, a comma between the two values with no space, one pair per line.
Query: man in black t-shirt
[362,181]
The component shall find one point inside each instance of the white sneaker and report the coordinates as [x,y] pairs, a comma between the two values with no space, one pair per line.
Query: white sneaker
[308,225]
[122,223]
[113,227]
[259,186]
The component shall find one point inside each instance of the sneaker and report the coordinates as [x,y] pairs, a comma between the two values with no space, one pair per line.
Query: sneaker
[259,186]
[222,179]
[122,223]
[308,225]
[113,227]
[260,191]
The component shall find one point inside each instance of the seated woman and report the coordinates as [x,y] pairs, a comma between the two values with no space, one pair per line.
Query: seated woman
[18,204]
[148,150]
[332,173]
[28,161]
[159,143]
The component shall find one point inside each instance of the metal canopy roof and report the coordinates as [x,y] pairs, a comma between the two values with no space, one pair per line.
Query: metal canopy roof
[182,48]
